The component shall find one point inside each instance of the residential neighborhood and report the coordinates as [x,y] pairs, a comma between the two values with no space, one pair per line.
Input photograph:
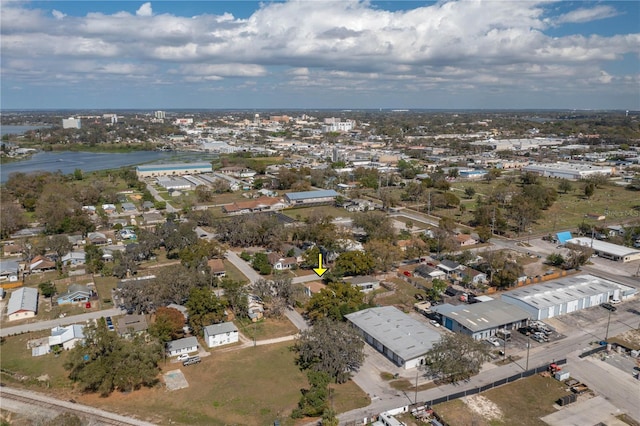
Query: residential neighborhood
[324,244]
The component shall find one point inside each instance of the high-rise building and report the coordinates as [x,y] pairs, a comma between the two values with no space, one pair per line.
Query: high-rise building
[160,115]
[71,123]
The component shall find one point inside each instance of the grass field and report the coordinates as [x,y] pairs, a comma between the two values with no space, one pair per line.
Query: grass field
[266,329]
[234,273]
[303,213]
[103,287]
[253,386]
[522,402]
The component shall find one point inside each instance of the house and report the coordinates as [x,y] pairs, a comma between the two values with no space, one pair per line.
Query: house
[127,234]
[76,293]
[11,249]
[97,238]
[365,283]
[147,205]
[41,264]
[450,267]
[152,218]
[23,304]
[109,208]
[74,258]
[474,277]
[185,345]
[128,208]
[129,325]
[9,270]
[67,337]
[76,240]
[217,267]
[220,334]
[294,251]
[429,272]
[257,205]
[280,263]
[465,240]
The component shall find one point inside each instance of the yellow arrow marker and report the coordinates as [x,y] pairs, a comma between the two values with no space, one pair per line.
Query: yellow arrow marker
[319,270]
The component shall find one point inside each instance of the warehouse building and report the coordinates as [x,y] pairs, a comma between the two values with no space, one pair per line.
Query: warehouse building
[566,295]
[396,335]
[607,250]
[481,320]
[568,170]
[311,197]
[177,169]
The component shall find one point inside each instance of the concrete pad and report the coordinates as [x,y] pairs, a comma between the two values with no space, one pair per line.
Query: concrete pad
[587,412]
[175,380]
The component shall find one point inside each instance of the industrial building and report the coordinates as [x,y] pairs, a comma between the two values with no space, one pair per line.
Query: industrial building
[154,170]
[396,335]
[481,320]
[607,250]
[574,171]
[311,197]
[566,295]
[71,123]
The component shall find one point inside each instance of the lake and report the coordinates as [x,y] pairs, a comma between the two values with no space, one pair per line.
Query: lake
[67,161]
[17,130]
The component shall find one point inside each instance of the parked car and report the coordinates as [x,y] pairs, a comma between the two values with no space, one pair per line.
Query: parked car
[183,357]
[615,301]
[191,360]
[609,307]
[435,323]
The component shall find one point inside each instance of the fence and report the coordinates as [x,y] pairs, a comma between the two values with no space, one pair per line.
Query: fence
[592,351]
[500,382]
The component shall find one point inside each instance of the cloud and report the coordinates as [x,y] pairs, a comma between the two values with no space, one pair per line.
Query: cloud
[582,15]
[144,10]
[325,44]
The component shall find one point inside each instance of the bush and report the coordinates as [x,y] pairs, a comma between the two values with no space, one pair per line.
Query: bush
[245,256]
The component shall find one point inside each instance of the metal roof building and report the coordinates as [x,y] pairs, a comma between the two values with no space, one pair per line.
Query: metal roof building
[482,320]
[308,197]
[607,250]
[173,169]
[396,335]
[23,303]
[566,295]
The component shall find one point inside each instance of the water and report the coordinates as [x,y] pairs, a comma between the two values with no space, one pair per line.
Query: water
[67,162]
[17,130]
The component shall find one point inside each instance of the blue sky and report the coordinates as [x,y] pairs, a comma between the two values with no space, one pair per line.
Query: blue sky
[320,54]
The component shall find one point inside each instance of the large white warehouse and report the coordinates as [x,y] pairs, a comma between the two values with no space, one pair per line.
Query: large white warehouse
[396,335]
[607,250]
[568,170]
[566,295]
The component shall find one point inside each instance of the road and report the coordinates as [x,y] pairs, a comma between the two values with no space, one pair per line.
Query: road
[158,197]
[47,325]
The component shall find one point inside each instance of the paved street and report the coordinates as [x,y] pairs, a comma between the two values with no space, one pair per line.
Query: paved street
[47,325]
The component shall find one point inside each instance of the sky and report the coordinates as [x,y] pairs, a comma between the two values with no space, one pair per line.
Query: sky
[306,54]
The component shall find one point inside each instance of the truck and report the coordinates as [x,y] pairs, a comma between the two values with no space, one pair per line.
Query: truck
[191,360]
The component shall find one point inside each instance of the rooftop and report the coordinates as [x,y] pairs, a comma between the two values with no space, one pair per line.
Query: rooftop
[563,290]
[405,336]
[223,327]
[602,246]
[312,194]
[483,316]
[23,299]
[174,166]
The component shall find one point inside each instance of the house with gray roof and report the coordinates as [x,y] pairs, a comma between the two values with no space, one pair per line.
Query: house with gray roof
[185,345]
[23,304]
[365,283]
[401,338]
[220,334]
[76,293]
[312,197]
[481,320]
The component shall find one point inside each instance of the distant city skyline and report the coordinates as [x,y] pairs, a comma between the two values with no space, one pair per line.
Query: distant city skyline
[320,54]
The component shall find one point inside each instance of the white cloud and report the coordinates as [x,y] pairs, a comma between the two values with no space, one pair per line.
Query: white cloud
[587,15]
[344,43]
[144,10]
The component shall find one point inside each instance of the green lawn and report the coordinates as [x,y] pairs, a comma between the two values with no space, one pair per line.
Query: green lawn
[234,273]
[305,212]
[103,287]
[267,328]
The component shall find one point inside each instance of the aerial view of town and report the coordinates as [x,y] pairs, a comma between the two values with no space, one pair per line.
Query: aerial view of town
[324,212]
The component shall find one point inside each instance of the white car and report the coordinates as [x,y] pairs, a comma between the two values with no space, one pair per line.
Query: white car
[183,357]
[435,323]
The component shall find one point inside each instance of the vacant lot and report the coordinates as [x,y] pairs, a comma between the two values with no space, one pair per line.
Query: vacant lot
[251,386]
[522,403]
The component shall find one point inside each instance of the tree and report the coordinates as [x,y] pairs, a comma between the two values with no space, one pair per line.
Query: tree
[335,301]
[377,225]
[167,325]
[589,189]
[469,191]
[47,289]
[261,263]
[235,294]
[484,233]
[456,357]
[354,263]
[332,347]
[204,309]
[438,287]
[578,255]
[12,216]
[565,186]
[384,253]
[60,245]
[105,362]
[313,401]
[555,259]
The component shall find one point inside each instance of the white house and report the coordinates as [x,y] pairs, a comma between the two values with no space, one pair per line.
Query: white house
[67,337]
[182,346]
[220,334]
[23,304]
